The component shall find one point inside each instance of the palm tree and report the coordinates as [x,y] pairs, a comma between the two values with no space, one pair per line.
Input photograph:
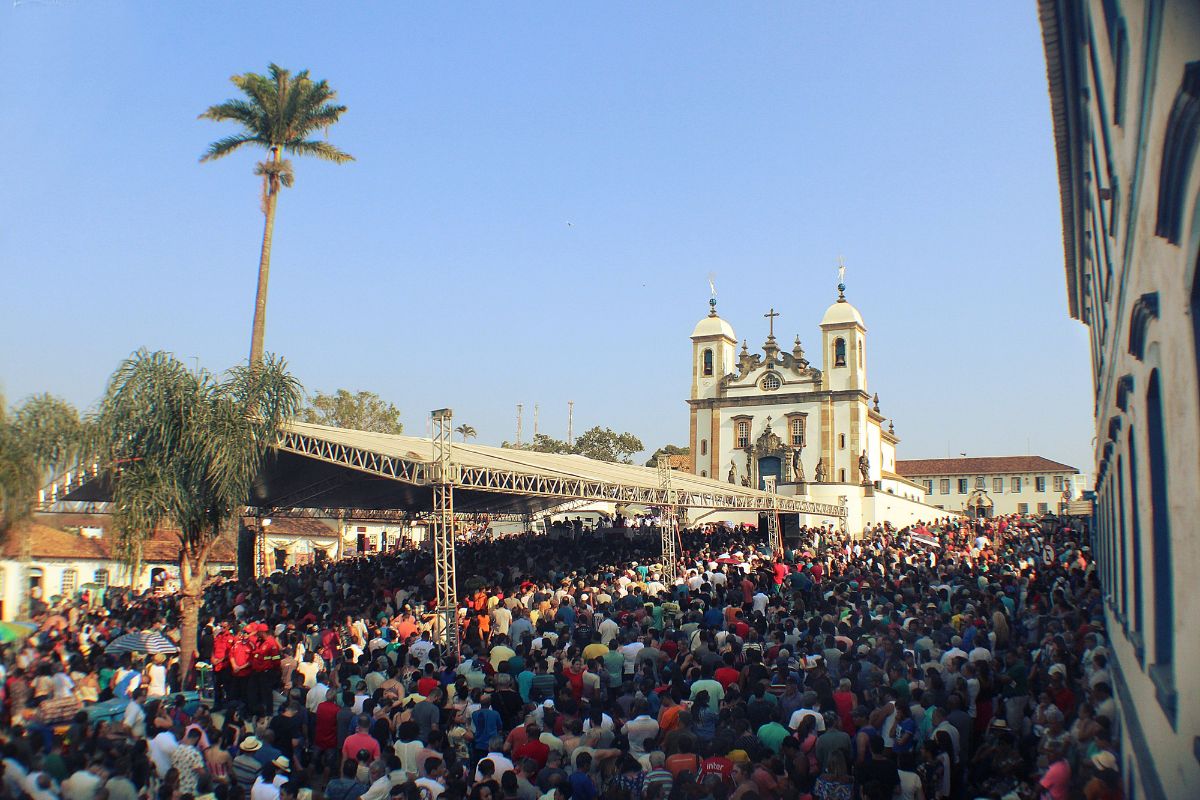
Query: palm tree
[465,431]
[184,448]
[279,113]
[41,438]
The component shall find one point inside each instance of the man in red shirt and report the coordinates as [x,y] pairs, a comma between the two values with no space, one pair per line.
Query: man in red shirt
[727,675]
[325,731]
[533,748]
[239,668]
[360,740]
[222,641]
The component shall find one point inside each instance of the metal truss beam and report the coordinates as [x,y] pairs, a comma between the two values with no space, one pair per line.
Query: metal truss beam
[669,529]
[503,481]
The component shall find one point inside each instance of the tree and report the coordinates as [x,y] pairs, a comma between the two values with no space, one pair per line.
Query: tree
[184,448]
[364,411]
[465,431]
[279,113]
[603,444]
[542,444]
[668,450]
[40,439]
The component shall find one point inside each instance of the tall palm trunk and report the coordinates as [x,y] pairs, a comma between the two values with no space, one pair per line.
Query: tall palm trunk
[264,264]
[191,597]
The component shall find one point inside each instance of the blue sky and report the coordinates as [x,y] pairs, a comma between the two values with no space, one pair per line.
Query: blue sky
[755,141]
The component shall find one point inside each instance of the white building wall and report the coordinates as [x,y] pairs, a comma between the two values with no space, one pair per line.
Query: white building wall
[1005,501]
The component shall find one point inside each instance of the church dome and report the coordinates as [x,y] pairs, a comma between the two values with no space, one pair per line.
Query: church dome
[841,313]
[712,325]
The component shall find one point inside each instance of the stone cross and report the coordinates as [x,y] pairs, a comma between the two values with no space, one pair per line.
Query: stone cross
[771,315]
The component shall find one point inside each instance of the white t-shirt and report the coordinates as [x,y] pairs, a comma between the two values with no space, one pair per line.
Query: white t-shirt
[162,747]
[800,713]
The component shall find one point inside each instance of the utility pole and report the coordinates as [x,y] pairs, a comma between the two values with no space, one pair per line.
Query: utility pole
[570,423]
[535,420]
[519,409]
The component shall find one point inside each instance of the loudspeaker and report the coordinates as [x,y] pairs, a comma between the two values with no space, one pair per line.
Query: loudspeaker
[245,553]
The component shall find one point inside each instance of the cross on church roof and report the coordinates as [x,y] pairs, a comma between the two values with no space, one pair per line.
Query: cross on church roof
[771,315]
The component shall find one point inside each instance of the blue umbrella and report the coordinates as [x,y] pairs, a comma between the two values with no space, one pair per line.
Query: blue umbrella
[143,642]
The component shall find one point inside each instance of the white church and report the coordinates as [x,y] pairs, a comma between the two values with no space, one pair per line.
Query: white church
[774,419]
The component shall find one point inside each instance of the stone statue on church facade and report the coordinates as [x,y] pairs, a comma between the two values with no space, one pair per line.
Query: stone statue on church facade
[820,476]
[746,481]
[797,466]
[733,473]
[864,467]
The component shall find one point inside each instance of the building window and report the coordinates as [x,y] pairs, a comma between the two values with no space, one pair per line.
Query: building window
[797,431]
[928,487]
[100,577]
[979,482]
[945,488]
[1043,508]
[708,363]
[70,579]
[1058,483]
[839,352]
[770,383]
[997,485]
[743,434]
[1160,550]
[1022,508]
[1039,483]
[703,473]
[841,441]
[1179,145]
[1135,529]
[842,475]
[962,485]
[704,447]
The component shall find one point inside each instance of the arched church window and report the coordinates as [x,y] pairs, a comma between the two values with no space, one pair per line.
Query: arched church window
[743,434]
[842,475]
[704,447]
[841,441]
[1160,550]
[798,432]
[770,383]
[839,352]
[708,363]
[703,473]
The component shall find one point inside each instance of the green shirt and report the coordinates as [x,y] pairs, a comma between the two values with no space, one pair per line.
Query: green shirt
[772,735]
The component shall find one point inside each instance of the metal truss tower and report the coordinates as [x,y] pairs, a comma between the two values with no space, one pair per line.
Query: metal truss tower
[670,522]
[443,527]
[774,535]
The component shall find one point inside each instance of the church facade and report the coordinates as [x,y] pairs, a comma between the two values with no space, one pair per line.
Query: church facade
[775,419]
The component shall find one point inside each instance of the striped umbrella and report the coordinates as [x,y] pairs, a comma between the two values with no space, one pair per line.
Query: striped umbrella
[16,631]
[142,642]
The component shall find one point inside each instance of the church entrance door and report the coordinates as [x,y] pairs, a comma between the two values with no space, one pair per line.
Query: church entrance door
[769,466]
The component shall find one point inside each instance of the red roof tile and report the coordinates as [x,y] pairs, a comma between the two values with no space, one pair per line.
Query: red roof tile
[51,541]
[919,467]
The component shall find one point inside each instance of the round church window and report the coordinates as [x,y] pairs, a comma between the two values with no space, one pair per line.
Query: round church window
[770,383]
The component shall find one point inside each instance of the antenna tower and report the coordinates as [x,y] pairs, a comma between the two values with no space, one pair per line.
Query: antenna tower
[519,409]
[571,423]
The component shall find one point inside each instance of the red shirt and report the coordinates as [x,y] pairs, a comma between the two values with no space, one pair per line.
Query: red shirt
[726,676]
[747,590]
[326,729]
[535,749]
[720,766]
[359,741]
[427,685]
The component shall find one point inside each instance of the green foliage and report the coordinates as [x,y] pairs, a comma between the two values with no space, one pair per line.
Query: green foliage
[41,438]
[465,431]
[601,444]
[668,450]
[364,411]
[185,447]
[279,112]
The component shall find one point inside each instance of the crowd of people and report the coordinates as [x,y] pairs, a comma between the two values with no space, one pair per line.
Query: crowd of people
[961,659]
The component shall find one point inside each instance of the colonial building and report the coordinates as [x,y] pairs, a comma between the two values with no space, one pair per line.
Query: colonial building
[775,418]
[70,553]
[1125,95]
[985,487]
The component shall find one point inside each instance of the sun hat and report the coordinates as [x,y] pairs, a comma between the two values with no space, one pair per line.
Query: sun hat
[251,744]
[282,762]
[1104,760]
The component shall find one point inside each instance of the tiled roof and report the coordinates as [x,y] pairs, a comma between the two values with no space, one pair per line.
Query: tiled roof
[919,467]
[51,541]
[298,526]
